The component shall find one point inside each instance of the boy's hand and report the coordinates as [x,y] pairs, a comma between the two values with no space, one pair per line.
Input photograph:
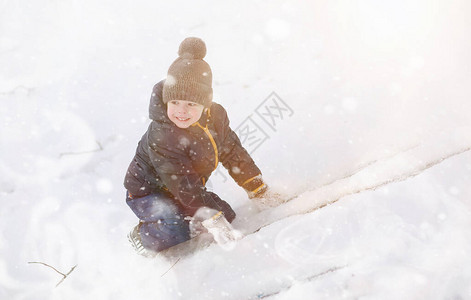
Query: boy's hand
[196,228]
[223,232]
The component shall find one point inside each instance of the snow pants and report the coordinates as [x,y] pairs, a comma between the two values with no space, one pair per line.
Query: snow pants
[161,225]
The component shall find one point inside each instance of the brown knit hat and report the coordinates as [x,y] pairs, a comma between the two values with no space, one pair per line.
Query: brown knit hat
[189,77]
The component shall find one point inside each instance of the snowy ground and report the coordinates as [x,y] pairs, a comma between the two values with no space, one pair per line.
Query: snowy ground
[381,120]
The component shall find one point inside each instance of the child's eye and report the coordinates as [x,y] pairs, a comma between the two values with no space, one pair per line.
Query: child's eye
[174,102]
[192,104]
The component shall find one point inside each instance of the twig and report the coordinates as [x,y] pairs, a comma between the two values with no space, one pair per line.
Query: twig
[170,267]
[64,275]
[100,148]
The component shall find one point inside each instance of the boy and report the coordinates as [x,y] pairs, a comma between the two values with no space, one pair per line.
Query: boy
[188,137]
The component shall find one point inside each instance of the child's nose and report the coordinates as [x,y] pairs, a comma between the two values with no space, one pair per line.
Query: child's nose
[182,109]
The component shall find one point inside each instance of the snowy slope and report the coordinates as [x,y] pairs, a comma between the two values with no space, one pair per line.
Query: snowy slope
[381,122]
[346,237]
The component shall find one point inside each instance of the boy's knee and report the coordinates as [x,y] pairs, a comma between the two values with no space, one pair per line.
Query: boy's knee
[163,234]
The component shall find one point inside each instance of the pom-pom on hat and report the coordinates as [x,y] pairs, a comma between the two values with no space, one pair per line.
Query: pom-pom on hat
[189,77]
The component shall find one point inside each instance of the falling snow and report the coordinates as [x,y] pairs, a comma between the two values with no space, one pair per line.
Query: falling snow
[378,110]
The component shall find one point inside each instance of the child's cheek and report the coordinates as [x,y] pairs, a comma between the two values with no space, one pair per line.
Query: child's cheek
[169,111]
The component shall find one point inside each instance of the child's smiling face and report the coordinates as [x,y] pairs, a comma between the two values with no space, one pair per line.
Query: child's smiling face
[184,113]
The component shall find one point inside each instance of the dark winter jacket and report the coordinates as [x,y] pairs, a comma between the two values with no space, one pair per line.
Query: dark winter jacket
[180,161]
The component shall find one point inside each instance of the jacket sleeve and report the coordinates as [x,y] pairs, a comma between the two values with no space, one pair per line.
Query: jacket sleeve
[174,167]
[238,161]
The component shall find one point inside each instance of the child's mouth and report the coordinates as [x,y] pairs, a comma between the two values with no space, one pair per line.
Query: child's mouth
[182,119]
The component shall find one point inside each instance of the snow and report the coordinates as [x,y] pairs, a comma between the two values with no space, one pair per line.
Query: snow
[380,129]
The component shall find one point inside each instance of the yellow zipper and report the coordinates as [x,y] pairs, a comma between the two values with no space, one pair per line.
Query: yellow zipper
[210,136]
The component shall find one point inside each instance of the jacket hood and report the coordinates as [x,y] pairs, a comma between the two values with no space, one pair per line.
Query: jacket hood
[157,109]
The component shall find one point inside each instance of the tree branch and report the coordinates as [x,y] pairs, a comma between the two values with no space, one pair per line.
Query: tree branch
[170,267]
[100,148]
[64,275]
